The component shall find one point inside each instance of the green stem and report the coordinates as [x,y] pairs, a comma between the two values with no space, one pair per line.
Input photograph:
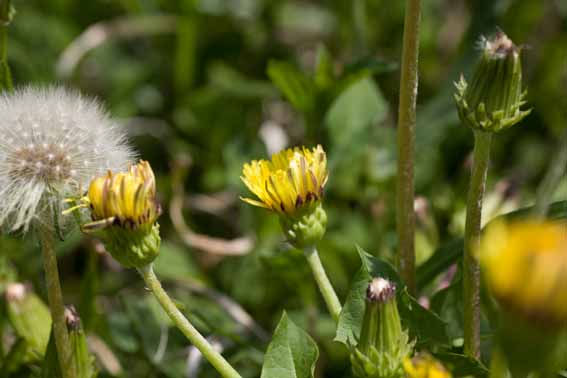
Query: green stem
[471,268]
[405,217]
[219,363]
[55,299]
[5,75]
[325,286]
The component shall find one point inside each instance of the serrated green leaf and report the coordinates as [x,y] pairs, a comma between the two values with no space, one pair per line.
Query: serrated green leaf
[291,353]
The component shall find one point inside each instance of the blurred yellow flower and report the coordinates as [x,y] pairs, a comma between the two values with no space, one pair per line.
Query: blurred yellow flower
[127,199]
[525,265]
[294,178]
[425,366]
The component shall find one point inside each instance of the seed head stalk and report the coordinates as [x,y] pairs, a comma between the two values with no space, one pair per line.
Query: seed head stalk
[471,268]
[405,218]
[55,299]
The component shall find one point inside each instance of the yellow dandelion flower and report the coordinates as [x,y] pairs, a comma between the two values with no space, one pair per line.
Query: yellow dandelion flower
[127,199]
[425,366]
[294,178]
[292,184]
[525,265]
[124,214]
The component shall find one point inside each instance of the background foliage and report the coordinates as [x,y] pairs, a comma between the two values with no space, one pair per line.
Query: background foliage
[203,86]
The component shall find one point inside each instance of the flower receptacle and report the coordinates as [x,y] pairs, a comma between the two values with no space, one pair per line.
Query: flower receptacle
[305,227]
[133,248]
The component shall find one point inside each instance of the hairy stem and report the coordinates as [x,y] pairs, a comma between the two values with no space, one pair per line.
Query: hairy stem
[325,286]
[217,361]
[405,217]
[55,299]
[471,268]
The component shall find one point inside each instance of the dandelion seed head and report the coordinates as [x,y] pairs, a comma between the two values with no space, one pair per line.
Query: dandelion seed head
[53,142]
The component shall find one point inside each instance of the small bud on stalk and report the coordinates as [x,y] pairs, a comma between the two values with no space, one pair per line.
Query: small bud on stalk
[492,100]
[383,344]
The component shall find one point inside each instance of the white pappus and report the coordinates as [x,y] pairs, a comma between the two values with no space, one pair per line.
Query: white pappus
[53,141]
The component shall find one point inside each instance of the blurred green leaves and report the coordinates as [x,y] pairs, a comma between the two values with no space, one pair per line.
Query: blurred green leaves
[296,87]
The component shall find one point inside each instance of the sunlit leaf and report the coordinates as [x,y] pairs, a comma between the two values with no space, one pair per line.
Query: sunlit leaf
[291,353]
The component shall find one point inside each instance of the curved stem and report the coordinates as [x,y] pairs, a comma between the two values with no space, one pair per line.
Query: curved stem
[55,299]
[405,217]
[217,361]
[325,286]
[471,268]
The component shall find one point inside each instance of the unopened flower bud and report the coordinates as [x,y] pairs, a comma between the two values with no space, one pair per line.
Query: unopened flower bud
[383,344]
[492,100]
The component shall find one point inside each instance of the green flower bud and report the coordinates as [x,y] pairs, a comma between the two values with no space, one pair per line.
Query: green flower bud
[306,226]
[493,99]
[383,344]
[82,359]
